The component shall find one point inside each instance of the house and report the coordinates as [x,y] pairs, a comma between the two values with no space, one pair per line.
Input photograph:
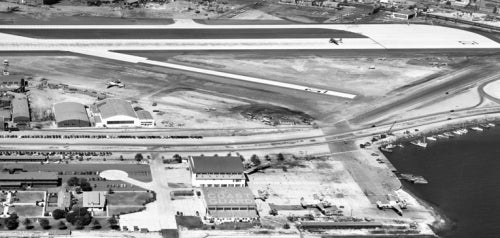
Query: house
[214,171]
[94,201]
[230,204]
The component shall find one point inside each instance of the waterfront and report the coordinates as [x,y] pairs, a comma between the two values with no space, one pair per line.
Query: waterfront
[463,175]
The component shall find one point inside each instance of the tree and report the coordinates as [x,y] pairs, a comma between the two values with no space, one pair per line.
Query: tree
[139,157]
[281,157]
[58,214]
[27,223]
[62,225]
[177,158]
[286,226]
[80,215]
[44,223]
[121,157]
[73,181]
[113,223]
[86,187]
[96,225]
[11,224]
[255,160]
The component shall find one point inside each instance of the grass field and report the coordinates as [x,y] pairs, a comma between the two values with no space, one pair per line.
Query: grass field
[128,198]
[29,196]
[27,211]
[112,210]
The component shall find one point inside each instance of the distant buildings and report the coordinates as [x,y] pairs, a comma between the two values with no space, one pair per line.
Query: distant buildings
[213,171]
[71,114]
[119,113]
[230,204]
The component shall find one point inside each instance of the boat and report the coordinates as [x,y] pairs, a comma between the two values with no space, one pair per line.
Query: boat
[432,138]
[464,130]
[476,128]
[401,145]
[442,136]
[419,143]
[385,149]
[390,146]
[484,125]
[458,132]
[449,134]
[491,124]
[413,178]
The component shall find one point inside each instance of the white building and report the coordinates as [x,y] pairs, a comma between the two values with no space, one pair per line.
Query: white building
[94,201]
[213,171]
[119,113]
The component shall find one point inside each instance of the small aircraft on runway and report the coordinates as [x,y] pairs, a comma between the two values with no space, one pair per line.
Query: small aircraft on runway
[334,41]
[115,83]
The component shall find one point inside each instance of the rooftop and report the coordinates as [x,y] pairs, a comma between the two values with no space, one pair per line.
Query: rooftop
[20,107]
[70,111]
[144,115]
[216,164]
[94,199]
[115,107]
[228,196]
[29,176]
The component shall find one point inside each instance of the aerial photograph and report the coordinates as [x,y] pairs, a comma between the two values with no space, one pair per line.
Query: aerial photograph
[250,118]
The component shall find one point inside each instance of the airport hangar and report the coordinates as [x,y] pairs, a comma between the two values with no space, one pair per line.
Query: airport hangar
[114,112]
[71,114]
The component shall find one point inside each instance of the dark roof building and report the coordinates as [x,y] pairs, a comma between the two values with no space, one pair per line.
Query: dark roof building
[71,114]
[29,179]
[215,164]
[230,203]
[20,109]
[10,82]
[213,171]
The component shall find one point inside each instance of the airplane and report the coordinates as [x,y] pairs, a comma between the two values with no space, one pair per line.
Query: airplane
[116,83]
[334,41]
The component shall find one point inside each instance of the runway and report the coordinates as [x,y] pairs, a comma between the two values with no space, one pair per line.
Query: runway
[186,33]
[101,40]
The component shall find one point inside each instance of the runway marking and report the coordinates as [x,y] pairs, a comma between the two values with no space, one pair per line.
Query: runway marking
[136,59]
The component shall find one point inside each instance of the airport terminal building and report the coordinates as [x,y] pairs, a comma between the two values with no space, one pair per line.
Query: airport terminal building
[119,113]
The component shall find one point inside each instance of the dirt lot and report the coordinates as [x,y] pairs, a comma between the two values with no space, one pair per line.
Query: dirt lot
[128,198]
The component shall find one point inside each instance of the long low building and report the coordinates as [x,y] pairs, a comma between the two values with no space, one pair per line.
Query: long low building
[29,179]
[230,204]
[20,110]
[215,171]
[71,114]
[114,112]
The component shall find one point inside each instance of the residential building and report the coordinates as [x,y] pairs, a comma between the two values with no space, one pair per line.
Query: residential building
[214,171]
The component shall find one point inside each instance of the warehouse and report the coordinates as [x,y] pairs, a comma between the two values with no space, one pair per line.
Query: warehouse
[114,112]
[11,82]
[20,111]
[214,171]
[230,204]
[145,118]
[31,179]
[71,114]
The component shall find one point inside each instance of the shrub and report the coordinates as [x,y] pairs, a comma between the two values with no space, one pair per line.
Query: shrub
[139,157]
[44,223]
[58,214]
